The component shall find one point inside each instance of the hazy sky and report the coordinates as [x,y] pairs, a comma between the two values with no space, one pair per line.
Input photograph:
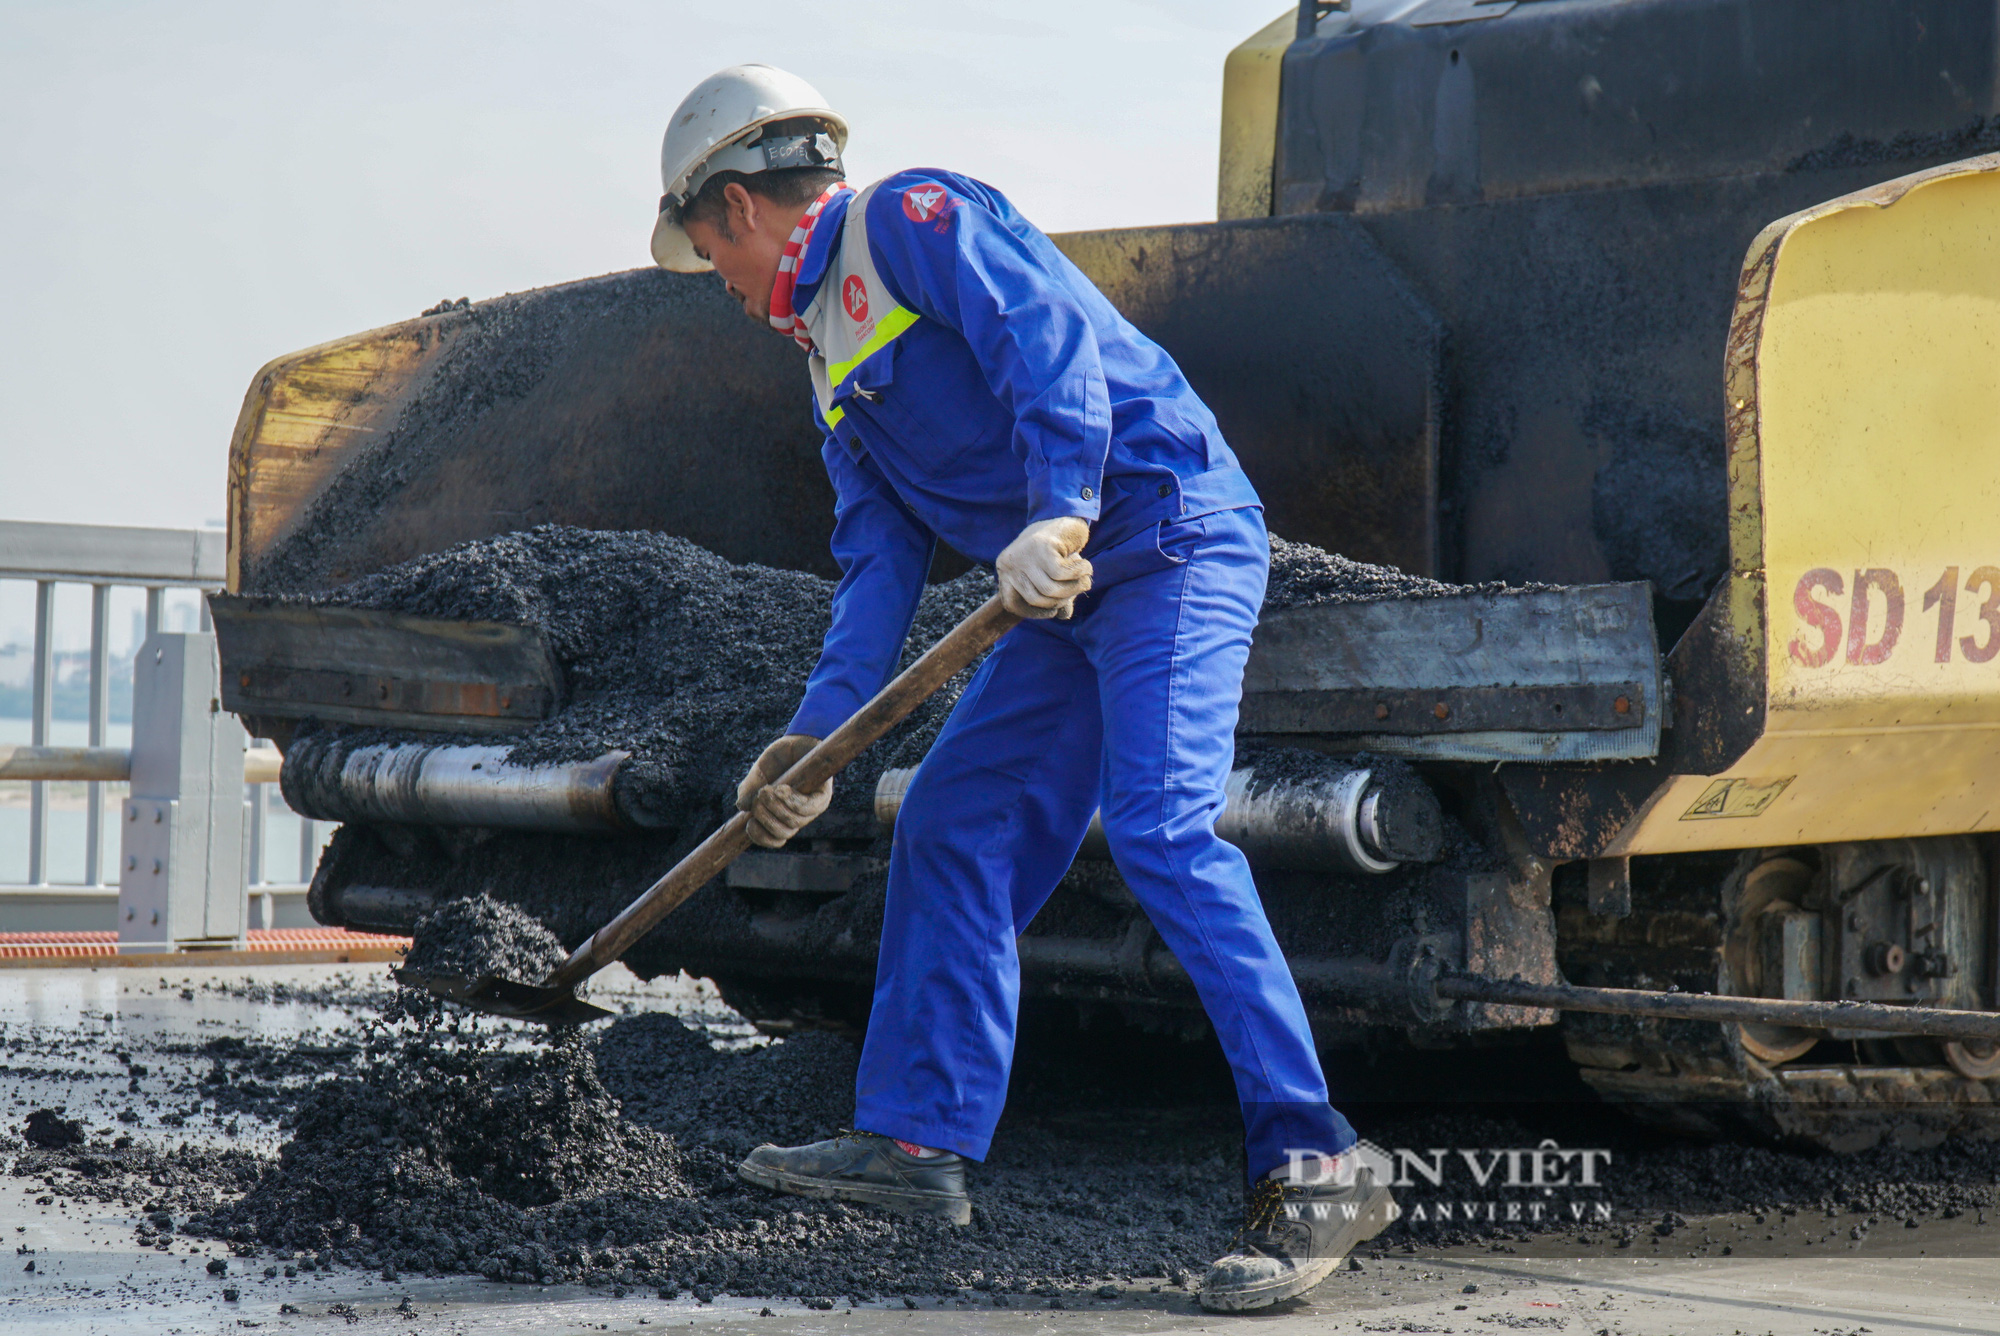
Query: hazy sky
[193,189]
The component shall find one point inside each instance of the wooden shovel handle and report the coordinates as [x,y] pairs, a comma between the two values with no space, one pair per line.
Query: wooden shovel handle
[960,646]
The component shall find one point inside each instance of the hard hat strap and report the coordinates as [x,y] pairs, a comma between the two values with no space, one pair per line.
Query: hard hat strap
[808,150]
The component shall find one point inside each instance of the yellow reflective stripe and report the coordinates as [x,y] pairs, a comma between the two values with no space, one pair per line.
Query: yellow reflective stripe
[893,324]
[833,416]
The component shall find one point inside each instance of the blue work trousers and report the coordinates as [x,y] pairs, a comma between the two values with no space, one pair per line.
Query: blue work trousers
[1132,706]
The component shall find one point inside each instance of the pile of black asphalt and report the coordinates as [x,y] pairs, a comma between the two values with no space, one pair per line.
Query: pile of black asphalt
[1304,576]
[692,665]
[447,1143]
[437,1143]
[478,936]
[686,661]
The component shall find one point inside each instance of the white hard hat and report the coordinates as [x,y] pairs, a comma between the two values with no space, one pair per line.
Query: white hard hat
[717,128]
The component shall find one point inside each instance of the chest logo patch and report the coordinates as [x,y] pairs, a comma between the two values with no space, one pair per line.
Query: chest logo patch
[925,203]
[854,296]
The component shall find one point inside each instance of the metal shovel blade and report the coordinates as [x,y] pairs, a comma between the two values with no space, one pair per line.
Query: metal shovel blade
[506,997]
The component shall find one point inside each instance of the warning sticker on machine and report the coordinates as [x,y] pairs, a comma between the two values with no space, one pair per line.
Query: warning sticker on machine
[1727,798]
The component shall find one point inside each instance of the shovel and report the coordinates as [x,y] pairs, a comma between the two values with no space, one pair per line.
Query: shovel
[553,1001]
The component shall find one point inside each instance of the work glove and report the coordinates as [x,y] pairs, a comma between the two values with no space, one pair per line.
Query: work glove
[778,811]
[1040,571]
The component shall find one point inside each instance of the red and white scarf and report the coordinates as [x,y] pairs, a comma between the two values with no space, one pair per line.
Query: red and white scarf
[783,318]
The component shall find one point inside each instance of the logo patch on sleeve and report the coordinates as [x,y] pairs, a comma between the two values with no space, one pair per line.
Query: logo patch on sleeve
[926,202]
[854,296]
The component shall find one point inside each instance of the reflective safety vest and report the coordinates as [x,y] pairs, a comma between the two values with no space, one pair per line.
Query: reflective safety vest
[852,316]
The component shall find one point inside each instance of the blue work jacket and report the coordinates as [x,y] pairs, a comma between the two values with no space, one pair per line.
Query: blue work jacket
[1020,394]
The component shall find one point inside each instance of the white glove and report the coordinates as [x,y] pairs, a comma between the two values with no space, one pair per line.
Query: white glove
[1040,571]
[778,811]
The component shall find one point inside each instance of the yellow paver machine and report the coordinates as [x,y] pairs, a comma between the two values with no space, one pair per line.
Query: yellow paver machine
[1687,311]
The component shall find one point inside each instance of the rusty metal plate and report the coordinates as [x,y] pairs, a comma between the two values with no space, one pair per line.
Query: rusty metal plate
[1595,707]
[285,660]
[1523,675]
[313,689]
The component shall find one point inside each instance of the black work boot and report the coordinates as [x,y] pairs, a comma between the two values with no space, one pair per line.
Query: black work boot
[1293,1238]
[866,1168]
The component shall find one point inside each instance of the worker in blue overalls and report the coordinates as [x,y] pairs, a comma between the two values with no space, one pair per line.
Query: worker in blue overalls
[975,387]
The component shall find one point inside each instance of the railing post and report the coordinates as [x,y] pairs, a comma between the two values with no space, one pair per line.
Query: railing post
[100,710]
[264,911]
[308,847]
[263,904]
[254,874]
[43,712]
[181,874]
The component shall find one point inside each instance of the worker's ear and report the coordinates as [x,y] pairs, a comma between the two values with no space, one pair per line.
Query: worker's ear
[745,209]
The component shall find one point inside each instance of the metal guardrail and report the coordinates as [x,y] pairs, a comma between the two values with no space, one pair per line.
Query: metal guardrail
[113,554]
[109,764]
[101,556]
[107,557]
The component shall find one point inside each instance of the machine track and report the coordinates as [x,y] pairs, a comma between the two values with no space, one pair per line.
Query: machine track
[1699,925]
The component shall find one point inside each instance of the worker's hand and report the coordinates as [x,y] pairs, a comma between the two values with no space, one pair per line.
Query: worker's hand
[778,811]
[1040,571]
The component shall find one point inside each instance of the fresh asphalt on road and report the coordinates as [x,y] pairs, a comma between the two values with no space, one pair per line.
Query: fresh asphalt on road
[91,1276]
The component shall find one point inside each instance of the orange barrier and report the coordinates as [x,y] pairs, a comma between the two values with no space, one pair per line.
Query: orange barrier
[262,946]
